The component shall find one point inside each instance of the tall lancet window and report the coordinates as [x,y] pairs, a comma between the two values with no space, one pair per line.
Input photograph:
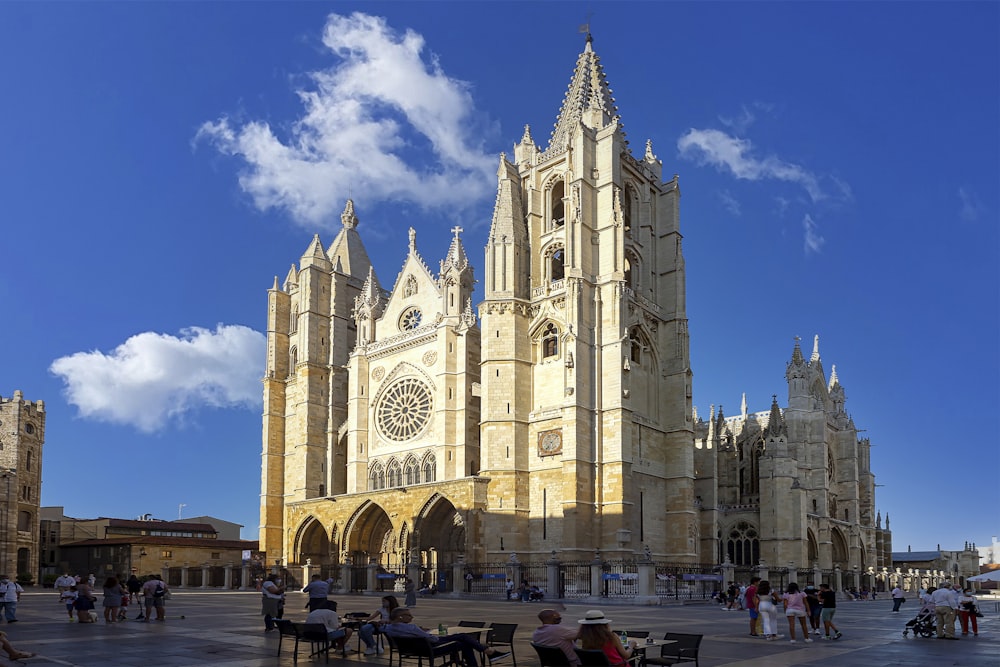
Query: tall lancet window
[557,206]
[550,341]
[628,274]
[627,199]
[293,320]
[557,265]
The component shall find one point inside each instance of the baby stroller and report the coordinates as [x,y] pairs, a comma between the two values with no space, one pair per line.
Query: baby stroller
[923,625]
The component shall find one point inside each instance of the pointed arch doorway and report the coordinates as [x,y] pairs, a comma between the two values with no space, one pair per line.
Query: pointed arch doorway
[442,534]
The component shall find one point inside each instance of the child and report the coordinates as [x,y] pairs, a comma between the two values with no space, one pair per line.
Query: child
[123,610]
[68,598]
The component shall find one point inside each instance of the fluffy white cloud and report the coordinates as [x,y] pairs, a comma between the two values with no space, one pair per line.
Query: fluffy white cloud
[153,378]
[813,240]
[385,122]
[726,152]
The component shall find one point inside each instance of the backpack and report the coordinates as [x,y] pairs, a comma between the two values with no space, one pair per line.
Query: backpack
[159,592]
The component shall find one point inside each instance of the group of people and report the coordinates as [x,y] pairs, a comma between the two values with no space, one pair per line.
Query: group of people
[809,608]
[79,596]
[948,602]
[593,632]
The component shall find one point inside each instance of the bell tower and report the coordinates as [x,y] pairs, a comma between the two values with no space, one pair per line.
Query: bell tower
[586,429]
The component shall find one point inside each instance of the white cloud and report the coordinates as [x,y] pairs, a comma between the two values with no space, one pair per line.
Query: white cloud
[726,152]
[729,202]
[154,378]
[813,241]
[364,119]
[972,208]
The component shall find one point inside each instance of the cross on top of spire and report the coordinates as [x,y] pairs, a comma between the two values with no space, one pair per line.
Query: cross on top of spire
[456,230]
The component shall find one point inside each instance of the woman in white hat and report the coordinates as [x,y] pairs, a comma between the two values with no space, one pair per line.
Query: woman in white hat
[596,635]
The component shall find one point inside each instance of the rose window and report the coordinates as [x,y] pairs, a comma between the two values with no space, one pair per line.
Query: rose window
[410,319]
[404,410]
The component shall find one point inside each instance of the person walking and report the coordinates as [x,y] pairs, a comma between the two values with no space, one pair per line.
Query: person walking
[410,591]
[829,601]
[318,591]
[766,602]
[10,593]
[134,588]
[897,599]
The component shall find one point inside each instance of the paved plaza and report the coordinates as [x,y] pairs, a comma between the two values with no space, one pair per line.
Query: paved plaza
[224,629]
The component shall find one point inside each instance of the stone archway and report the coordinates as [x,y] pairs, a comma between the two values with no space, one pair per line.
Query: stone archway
[367,535]
[441,528]
[313,543]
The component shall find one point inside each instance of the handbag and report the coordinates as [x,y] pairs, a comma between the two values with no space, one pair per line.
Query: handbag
[978,613]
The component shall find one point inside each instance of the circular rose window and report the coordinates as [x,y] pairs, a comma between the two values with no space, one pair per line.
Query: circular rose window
[404,410]
[410,319]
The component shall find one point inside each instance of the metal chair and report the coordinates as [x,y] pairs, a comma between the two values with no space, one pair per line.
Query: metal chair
[592,657]
[684,649]
[421,648]
[473,624]
[502,634]
[551,656]
[313,633]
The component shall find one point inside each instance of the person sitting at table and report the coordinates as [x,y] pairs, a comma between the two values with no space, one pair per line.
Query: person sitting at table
[378,619]
[335,632]
[551,633]
[535,594]
[401,625]
[596,635]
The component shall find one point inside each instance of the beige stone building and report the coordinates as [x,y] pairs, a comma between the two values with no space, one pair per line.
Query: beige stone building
[405,425]
[22,435]
[791,485]
[397,422]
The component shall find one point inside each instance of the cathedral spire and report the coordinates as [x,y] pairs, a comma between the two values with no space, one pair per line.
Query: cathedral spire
[775,423]
[797,357]
[743,405]
[815,354]
[588,100]
[456,257]
[347,218]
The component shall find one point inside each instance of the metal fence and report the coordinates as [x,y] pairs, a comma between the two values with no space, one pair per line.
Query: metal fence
[619,579]
[688,582]
[574,580]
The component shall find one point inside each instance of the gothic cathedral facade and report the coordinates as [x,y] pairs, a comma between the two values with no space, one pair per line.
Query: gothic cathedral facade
[555,416]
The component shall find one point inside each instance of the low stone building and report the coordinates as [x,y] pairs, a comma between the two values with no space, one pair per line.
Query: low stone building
[921,569]
[184,553]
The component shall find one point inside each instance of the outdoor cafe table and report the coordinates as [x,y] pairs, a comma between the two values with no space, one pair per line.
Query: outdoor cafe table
[355,620]
[643,644]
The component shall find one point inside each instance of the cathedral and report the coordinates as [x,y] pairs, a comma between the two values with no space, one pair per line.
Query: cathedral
[403,421]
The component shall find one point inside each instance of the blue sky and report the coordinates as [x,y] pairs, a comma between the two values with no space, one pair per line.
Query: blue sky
[160,163]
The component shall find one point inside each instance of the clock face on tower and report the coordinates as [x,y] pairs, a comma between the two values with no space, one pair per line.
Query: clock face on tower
[549,443]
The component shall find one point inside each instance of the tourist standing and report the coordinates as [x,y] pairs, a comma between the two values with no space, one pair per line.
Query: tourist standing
[318,590]
[967,610]
[154,592]
[751,604]
[272,595]
[113,594]
[766,602]
[795,608]
[945,601]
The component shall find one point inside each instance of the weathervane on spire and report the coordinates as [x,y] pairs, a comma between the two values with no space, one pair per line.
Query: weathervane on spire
[585,28]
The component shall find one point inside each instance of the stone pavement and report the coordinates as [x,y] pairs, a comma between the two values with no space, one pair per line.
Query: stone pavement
[224,629]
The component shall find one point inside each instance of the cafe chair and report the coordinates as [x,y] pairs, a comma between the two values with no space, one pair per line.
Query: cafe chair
[550,656]
[684,649]
[420,649]
[502,635]
[314,633]
[597,658]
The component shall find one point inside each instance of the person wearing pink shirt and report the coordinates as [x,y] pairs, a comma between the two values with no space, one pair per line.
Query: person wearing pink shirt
[795,607]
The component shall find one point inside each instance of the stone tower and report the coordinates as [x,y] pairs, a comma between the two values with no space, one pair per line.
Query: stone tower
[586,430]
[22,435]
[310,320]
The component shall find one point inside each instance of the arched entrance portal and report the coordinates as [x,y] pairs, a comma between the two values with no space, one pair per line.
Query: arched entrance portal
[314,544]
[370,536]
[442,537]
